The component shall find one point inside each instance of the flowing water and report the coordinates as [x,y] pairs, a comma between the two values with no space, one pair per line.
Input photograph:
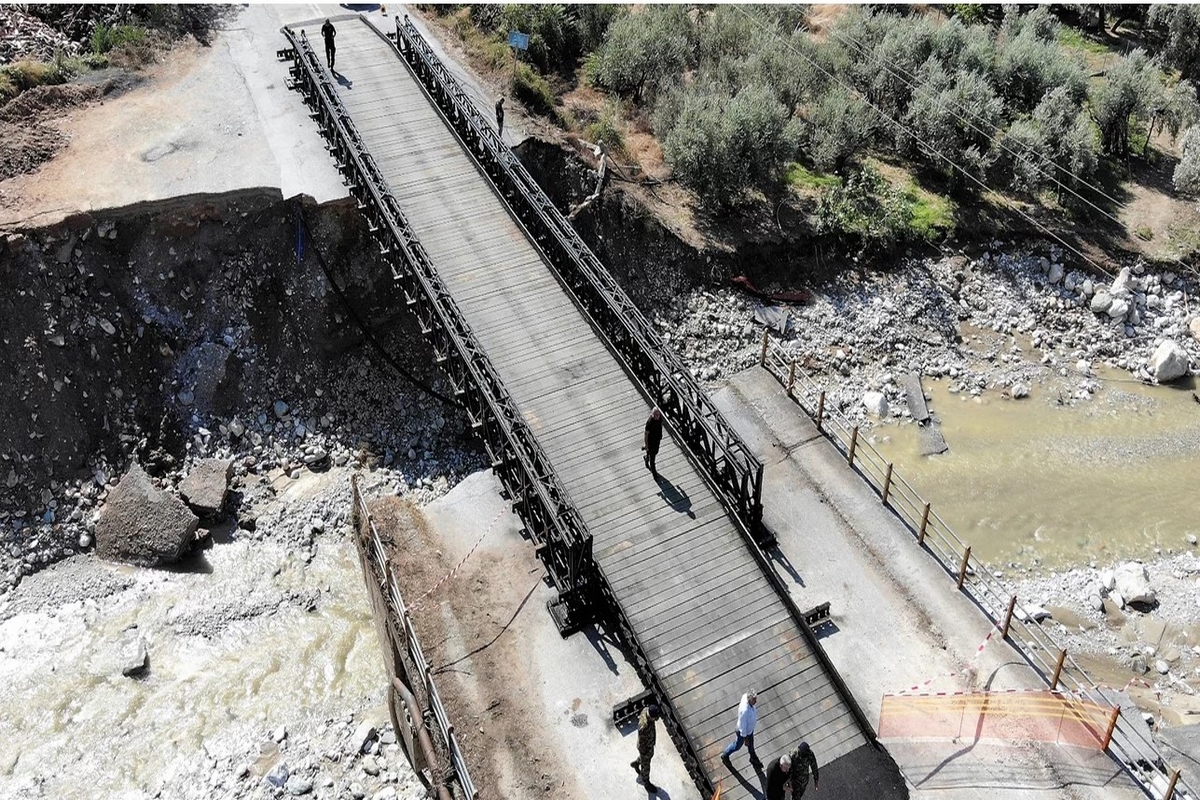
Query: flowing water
[1032,479]
[234,653]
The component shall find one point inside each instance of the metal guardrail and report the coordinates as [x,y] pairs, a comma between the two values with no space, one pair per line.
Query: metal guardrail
[564,543]
[716,445]
[378,572]
[1129,743]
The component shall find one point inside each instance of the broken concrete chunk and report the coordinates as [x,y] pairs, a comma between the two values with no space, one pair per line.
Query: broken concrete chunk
[143,525]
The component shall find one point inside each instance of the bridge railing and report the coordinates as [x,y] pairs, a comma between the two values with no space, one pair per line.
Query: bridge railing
[409,673]
[729,462]
[1126,739]
[564,543]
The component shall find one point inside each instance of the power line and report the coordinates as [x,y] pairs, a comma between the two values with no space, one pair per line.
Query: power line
[922,142]
[995,140]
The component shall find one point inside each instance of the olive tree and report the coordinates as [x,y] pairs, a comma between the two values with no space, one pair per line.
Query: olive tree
[720,145]
[839,128]
[1180,27]
[1132,92]
[1187,172]
[643,52]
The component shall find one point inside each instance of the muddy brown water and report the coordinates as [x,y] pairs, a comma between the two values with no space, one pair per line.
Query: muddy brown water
[1109,478]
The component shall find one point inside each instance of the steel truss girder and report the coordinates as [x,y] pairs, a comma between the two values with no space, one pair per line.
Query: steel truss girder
[550,517]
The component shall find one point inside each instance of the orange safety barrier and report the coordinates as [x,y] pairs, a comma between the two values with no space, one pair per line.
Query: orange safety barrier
[1043,716]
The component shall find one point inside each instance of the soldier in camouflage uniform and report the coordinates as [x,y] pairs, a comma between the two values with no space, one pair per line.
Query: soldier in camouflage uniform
[647,733]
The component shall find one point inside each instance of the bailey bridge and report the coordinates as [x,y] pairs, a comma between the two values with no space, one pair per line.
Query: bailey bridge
[558,371]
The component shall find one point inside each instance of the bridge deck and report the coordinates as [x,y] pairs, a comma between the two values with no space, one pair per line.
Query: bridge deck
[709,621]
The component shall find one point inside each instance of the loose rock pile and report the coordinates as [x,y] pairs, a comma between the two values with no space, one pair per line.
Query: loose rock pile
[25,37]
[863,330]
[127,347]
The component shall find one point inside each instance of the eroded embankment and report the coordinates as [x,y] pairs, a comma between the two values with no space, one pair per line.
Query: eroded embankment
[175,330]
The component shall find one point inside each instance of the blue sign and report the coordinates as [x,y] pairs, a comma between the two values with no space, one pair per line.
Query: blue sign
[518,40]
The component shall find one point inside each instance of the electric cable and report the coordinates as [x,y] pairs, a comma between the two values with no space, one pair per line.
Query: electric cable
[358,321]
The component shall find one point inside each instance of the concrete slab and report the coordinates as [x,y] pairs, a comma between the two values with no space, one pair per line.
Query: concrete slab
[566,687]
[208,120]
[898,620]
[914,396]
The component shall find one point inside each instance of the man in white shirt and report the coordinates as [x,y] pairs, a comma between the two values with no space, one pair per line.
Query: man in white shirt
[747,719]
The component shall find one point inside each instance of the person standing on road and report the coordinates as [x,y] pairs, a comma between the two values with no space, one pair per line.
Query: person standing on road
[651,439]
[747,720]
[646,736]
[330,33]
[500,116]
[777,777]
[803,762]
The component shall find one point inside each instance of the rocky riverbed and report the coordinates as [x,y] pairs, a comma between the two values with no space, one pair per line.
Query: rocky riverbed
[1055,324]
[251,669]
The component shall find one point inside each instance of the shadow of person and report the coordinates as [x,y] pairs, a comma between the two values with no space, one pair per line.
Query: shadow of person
[776,555]
[659,792]
[342,79]
[758,792]
[676,497]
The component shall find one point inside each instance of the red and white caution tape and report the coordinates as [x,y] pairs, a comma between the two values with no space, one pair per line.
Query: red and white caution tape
[414,605]
[964,673]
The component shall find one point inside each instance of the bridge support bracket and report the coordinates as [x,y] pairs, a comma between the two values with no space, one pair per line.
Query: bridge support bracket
[569,615]
[628,710]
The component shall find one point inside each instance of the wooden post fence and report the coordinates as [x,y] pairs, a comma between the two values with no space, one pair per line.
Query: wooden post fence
[924,524]
[820,409]
[791,377]
[887,483]
[962,568]
[1008,615]
[853,444]
[1062,657]
[762,356]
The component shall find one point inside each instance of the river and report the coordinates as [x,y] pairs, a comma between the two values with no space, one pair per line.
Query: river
[1038,481]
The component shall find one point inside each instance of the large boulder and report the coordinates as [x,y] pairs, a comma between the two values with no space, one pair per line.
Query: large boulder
[1122,285]
[1101,302]
[143,525]
[1170,361]
[876,403]
[1132,582]
[1194,327]
[206,484]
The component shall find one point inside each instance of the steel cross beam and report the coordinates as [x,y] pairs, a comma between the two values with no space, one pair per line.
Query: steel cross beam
[733,469]
[551,519]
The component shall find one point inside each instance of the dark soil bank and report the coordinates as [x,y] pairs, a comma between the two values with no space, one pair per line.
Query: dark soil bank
[124,332]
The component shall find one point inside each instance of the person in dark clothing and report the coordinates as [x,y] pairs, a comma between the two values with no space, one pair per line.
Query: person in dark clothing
[330,33]
[651,440]
[500,116]
[777,777]
[646,736]
[803,762]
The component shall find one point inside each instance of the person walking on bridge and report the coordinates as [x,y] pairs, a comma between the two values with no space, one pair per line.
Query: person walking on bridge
[646,736]
[330,33]
[500,117]
[651,439]
[777,777]
[804,762]
[746,722]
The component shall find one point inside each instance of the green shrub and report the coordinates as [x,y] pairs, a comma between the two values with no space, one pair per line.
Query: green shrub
[605,130]
[531,89]
[644,52]
[24,75]
[8,87]
[865,207]
[106,38]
